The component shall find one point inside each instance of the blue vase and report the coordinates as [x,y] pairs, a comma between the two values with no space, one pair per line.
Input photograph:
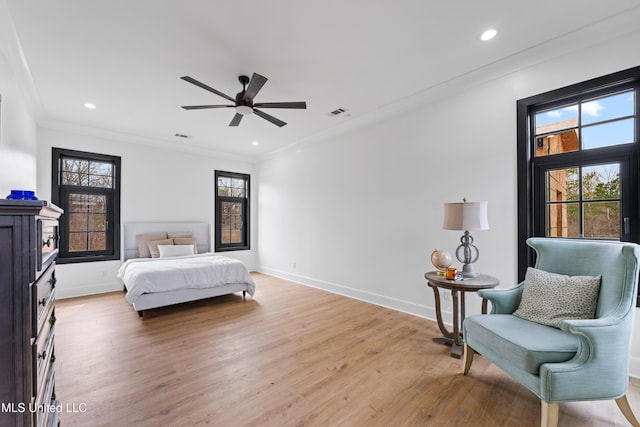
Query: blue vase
[29,195]
[22,195]
[16,195]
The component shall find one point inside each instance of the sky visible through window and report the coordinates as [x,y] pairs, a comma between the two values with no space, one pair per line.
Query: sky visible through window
[619,108]
[605,121]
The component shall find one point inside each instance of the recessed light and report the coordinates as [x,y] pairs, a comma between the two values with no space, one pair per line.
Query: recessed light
[488,35]
[256,143]
[90,106]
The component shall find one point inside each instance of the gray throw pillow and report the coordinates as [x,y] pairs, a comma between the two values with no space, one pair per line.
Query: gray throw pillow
[142,239]
[550,298]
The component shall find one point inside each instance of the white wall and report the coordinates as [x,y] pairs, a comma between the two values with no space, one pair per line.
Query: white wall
[18,131]
[158,185]
[359,213]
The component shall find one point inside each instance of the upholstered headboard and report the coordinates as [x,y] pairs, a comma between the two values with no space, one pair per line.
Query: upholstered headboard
[129,245]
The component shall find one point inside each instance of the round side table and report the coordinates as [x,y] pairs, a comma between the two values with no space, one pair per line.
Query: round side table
[458,289]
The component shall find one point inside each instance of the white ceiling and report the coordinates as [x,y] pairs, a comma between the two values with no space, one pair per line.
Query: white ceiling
[127,57]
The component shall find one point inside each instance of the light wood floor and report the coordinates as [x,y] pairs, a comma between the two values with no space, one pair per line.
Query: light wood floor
[293,356]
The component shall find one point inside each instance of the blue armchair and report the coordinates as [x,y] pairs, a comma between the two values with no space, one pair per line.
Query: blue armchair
[586,359]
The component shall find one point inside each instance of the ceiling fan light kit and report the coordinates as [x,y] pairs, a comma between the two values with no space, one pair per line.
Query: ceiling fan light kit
[244,110]
[243,102]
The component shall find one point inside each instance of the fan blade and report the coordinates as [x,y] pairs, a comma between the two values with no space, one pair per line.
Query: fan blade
[268,117]
[256,83]
[202,107]
[205,87]
[236,120]
[300,105]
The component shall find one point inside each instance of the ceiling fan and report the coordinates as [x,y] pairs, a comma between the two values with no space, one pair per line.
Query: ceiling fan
[243,103]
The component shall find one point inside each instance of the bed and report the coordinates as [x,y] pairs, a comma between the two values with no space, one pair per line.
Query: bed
[158,272]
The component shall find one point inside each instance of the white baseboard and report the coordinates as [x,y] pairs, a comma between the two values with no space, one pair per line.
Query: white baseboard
[84,290]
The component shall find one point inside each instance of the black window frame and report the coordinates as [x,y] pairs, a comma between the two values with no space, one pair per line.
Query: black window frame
[59,193]
[529,166]
[245,202]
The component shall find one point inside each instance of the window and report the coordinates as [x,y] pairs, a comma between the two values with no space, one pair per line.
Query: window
[583,202]
[232,211]
[578,163]
[87,187]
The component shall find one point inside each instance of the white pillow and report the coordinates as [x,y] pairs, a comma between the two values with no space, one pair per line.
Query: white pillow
[186,241]
[175,250]
[153,246]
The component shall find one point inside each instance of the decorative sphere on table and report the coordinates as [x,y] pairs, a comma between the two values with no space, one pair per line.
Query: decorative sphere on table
[441,259]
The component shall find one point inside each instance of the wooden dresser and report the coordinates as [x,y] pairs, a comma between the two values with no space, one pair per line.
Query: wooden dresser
[28,250]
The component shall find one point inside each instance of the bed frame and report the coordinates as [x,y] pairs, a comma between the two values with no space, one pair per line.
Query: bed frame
[200,230]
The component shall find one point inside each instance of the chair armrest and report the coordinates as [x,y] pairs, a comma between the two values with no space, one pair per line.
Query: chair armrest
[503,301]
[606,332]
[577,326]
[602,358]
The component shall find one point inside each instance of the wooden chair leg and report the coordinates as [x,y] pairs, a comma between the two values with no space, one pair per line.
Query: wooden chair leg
[467,358]
[623,404]
[549,414]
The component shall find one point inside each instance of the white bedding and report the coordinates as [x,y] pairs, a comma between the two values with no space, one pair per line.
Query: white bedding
[150,275]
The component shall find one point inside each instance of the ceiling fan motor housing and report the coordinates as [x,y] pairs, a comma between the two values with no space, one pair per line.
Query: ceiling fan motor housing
[243,106]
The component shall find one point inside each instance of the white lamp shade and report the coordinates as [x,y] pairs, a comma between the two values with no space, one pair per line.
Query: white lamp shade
[466,216]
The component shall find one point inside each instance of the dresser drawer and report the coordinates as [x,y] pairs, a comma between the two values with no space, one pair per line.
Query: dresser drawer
[42,297]
[43,352]
[46,407]
[47,243]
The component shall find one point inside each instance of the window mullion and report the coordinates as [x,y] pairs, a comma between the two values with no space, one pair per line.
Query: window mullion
[580,203]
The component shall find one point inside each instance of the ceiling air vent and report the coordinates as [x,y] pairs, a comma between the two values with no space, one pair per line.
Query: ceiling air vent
[338,112]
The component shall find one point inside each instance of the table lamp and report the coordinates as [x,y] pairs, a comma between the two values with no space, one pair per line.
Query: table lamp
[466,216]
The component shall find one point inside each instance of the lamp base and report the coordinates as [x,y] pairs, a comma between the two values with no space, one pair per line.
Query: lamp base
[467,253]
[467,271]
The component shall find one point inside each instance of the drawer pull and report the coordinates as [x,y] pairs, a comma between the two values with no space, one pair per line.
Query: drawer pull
[52,281]
[52,320]
[47,242]
[42,302]
[42,355]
